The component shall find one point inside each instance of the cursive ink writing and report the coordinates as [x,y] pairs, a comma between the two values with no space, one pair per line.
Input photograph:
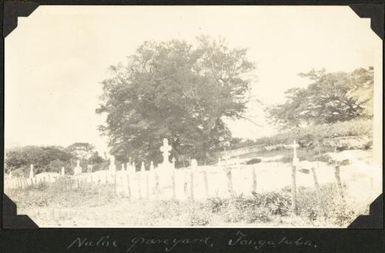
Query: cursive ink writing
[168,244]
[242,239]
[104,241]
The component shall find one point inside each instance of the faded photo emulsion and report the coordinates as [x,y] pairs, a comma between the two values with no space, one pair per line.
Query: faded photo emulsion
[193,116]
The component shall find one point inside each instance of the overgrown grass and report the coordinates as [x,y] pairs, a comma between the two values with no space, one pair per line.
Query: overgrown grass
[260,209]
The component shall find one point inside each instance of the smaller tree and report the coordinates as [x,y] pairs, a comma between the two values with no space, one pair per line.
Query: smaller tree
[81,150]
[331,97]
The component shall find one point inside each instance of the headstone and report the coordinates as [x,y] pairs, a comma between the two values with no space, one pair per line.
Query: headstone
[123,167]
[194,163]
[77,169]
[62,171]
[31,172]
[89,168]
[151,165]
[142,168]
[166,150]
[173,161]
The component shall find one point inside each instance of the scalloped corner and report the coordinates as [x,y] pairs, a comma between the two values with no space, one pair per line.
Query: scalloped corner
[376,14]
[13,10]
[13,221]
[374,220]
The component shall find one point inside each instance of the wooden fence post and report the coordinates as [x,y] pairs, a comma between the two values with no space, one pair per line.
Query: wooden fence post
[147,186]
[115,183]
[173,179]
[254,189]
[193,166]
[206,183]
[294,189]
[139,178]
[230,182]
[339,184]
[128,183]
[318,191]
[294,178]
[185,185]
[192,184]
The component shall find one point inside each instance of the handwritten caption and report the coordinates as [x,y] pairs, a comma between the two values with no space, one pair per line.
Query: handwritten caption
[239,239]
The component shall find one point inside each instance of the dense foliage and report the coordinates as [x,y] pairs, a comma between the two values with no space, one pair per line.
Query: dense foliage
[43,158]
[49,158]
[177,91]
[330,98]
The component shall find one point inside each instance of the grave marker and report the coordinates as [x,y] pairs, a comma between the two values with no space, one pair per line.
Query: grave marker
[31,172]
[77,169]
[294,179]
[166,150]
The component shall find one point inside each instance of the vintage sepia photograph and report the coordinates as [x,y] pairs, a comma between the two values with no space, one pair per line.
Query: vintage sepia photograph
[193,116]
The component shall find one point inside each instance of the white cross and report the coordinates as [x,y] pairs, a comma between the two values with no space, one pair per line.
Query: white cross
[166,148]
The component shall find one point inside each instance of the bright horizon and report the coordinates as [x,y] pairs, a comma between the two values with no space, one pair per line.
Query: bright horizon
[56,58]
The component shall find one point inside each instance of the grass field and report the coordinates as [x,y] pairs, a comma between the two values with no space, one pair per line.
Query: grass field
[59,205]
[97,205]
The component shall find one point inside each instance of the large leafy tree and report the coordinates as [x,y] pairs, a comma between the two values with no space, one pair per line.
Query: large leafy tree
[331,97]
[177,91]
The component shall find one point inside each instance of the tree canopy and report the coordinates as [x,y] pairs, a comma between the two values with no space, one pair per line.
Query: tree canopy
[178,91]
[51,158]
[330,98]
[40,157]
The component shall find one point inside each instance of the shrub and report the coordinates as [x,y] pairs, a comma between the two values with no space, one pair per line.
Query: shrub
[216,204]
[199,216]
[278,203]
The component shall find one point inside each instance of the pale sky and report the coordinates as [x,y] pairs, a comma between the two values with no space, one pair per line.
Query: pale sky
[56,58]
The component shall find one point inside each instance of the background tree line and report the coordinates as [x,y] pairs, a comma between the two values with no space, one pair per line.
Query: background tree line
[52,158]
